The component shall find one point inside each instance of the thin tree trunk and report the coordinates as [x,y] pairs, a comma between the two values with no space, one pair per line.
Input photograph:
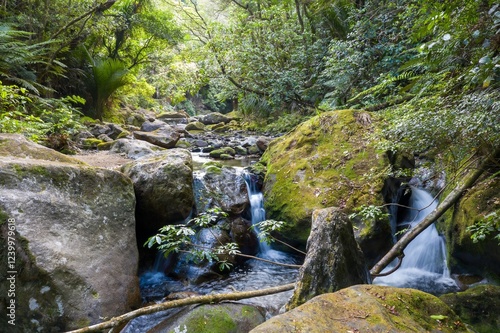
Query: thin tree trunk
[448,202]
[206,299]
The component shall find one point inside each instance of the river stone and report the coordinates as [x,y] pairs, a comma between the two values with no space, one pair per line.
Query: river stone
[165,136]
[221,187]
[243,235]
[216,318]
[134,149]
[334,259]
[152,124]
[214,118]
[76,250]
[330,160]
[173,118]
[368,309]
[478,306]
[195,126]
[262,143]
[163,188]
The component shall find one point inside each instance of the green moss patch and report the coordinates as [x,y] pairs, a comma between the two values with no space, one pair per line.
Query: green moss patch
[330,160]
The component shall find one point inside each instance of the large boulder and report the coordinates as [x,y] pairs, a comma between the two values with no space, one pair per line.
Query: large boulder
[216,318]
[163,186]
[222,187]
[174,118]
[334,259]
[476,204]
[165,137]
[478,306]
[368,309]
[214,118]
[331,160]
[73,229]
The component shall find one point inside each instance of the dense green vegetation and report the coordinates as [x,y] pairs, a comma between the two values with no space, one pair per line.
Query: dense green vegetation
[432,68]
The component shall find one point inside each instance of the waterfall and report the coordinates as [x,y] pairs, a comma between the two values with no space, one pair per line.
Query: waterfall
[424,265]
[257,210]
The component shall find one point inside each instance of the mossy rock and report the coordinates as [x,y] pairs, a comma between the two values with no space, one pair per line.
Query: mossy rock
[18,146]
[221,151]
[216,318]
[106,145]
[123,135]
[478,306]
[330,160]
[183,143]
[483,256]
[91,143]
[195,126]
[368,309]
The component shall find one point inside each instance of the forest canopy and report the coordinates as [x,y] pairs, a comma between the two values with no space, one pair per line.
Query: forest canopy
[432,67]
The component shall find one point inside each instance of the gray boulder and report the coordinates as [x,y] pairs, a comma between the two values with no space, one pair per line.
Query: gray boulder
[164,189]
[73,229]
[334,259]
[134,149]
[165,137]
[173,118]
[214,118]
[223,187]
[151,125]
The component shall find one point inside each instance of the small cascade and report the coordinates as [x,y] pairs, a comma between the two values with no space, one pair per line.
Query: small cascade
[256,207]
[425,265]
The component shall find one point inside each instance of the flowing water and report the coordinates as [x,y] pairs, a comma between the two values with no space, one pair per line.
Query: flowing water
[252,275]
[424,266]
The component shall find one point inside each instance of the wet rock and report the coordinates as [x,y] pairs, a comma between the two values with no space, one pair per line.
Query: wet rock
[225,150]
[478,306]
[76,250]
[220,318]
[334,259]
[262,143]
[163,188]
[165,137]
[221,187]
[243,235]
[368,309]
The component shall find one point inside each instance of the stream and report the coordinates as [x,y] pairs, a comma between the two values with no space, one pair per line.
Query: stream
[252,275]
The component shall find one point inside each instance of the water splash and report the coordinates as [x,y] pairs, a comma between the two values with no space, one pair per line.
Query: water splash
[425,265]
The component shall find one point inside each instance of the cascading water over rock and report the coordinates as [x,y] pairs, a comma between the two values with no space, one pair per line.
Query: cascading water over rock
[424,265]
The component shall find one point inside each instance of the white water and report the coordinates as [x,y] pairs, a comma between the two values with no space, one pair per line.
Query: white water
[258,212]
[424,265]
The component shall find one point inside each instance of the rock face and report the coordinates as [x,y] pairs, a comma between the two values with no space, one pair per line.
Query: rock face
[76,252]
[477,203]
[223,187]
[368,309]
[478,306]
[334,259]
[164,189]
[220,318]
[328,161]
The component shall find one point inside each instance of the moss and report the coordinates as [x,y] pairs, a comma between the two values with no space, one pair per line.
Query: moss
[105,145]
[481,200]
[91,143]
[478,306]
[330,160]
[221,151]
[123,134]
[210,320]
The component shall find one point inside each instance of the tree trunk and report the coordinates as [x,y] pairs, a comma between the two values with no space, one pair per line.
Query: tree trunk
[448,202]
[206,299]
